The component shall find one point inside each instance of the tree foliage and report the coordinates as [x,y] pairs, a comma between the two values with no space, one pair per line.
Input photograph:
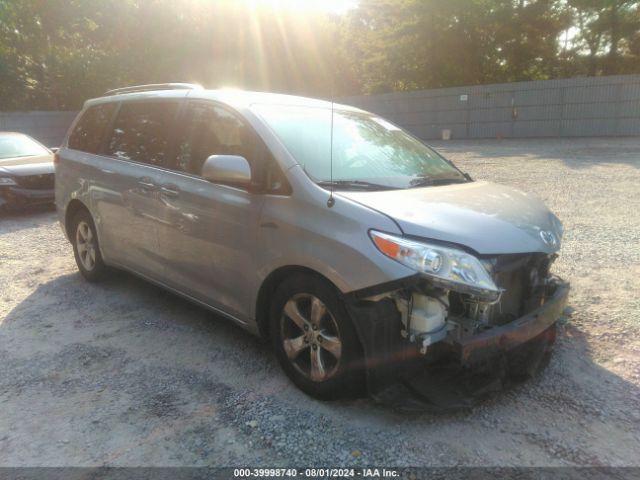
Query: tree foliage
[56,53]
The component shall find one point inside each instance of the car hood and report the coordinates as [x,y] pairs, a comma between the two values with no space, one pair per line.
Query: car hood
[22,166]
[488,218]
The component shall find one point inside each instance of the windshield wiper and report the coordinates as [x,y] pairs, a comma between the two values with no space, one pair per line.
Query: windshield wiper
[434,182]
[354,184]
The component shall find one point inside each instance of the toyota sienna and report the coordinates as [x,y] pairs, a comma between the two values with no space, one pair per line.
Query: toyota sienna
[346,241]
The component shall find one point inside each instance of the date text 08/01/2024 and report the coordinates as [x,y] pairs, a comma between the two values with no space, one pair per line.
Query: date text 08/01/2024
[316,472]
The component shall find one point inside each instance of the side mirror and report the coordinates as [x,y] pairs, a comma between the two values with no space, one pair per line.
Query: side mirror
[228,170]
[55,149]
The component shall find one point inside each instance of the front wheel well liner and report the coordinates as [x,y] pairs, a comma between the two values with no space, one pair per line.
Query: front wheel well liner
[268,288]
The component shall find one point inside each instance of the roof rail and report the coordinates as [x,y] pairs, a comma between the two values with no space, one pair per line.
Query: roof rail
[151,87]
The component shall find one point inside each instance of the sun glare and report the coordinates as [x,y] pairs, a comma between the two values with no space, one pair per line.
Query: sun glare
[338,7]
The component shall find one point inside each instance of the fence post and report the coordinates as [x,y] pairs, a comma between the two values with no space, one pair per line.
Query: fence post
[562,106]
[617,113]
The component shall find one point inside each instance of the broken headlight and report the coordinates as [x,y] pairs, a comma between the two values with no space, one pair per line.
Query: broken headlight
[448,267]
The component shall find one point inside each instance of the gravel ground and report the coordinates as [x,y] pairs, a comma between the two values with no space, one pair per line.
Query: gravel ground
[123,373]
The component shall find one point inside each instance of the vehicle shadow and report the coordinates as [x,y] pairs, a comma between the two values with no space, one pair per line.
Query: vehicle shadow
[122,304]
[124,300]
[158,356]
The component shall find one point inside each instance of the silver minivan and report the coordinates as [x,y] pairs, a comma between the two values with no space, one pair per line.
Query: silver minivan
[351,245]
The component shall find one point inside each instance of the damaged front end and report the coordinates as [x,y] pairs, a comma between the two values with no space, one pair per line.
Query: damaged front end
[408,326]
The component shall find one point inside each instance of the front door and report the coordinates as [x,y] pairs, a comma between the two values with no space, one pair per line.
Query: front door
[208,234]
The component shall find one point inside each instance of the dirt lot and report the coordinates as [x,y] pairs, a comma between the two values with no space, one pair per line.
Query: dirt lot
[123,373]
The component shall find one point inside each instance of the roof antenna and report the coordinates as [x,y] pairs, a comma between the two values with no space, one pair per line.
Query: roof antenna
[331,201]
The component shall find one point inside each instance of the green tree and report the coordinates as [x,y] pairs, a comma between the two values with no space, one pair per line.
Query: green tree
[606,32]
[435,43]
[54,54]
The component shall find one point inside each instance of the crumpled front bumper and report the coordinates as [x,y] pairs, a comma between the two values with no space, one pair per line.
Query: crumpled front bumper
[507,337]
[388,356]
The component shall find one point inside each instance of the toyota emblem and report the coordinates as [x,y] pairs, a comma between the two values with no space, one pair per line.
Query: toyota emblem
[549,238]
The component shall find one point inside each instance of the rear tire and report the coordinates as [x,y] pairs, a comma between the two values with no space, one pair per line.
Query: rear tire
[314,338]
[86,248]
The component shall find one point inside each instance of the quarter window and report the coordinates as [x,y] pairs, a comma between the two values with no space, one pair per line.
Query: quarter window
[89,131]
[142,132]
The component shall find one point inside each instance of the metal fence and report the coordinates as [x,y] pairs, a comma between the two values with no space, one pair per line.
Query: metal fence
[47,127]
[575,107]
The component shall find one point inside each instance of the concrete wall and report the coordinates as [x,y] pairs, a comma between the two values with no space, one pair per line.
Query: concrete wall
[576,107]
[47,127]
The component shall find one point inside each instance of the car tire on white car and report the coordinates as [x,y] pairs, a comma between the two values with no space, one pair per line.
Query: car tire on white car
[86,248]
[314,338]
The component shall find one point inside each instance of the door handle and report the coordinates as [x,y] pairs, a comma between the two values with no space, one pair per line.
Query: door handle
[147,184]
[169,191]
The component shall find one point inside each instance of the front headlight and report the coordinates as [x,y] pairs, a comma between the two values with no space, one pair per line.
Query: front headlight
[449,267]
[6,181]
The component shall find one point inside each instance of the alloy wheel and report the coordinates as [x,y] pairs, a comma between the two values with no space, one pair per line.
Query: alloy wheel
[85,243]
[310,337]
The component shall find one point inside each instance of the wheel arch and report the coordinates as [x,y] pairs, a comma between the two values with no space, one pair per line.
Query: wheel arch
[269,286]
[73,207]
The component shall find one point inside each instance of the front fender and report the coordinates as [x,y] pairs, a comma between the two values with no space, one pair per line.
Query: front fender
[331,241]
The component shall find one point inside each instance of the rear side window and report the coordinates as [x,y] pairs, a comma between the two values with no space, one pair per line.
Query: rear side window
[141,132]
[89,131]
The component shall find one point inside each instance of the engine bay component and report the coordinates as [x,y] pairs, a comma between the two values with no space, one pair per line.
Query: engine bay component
[424,317]
[411,325]
[430,313]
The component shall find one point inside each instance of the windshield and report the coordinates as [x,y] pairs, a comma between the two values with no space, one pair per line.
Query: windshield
[367,150]
[19,146]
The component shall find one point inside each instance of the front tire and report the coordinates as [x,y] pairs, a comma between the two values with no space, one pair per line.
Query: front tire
[86,248]
[314,338]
